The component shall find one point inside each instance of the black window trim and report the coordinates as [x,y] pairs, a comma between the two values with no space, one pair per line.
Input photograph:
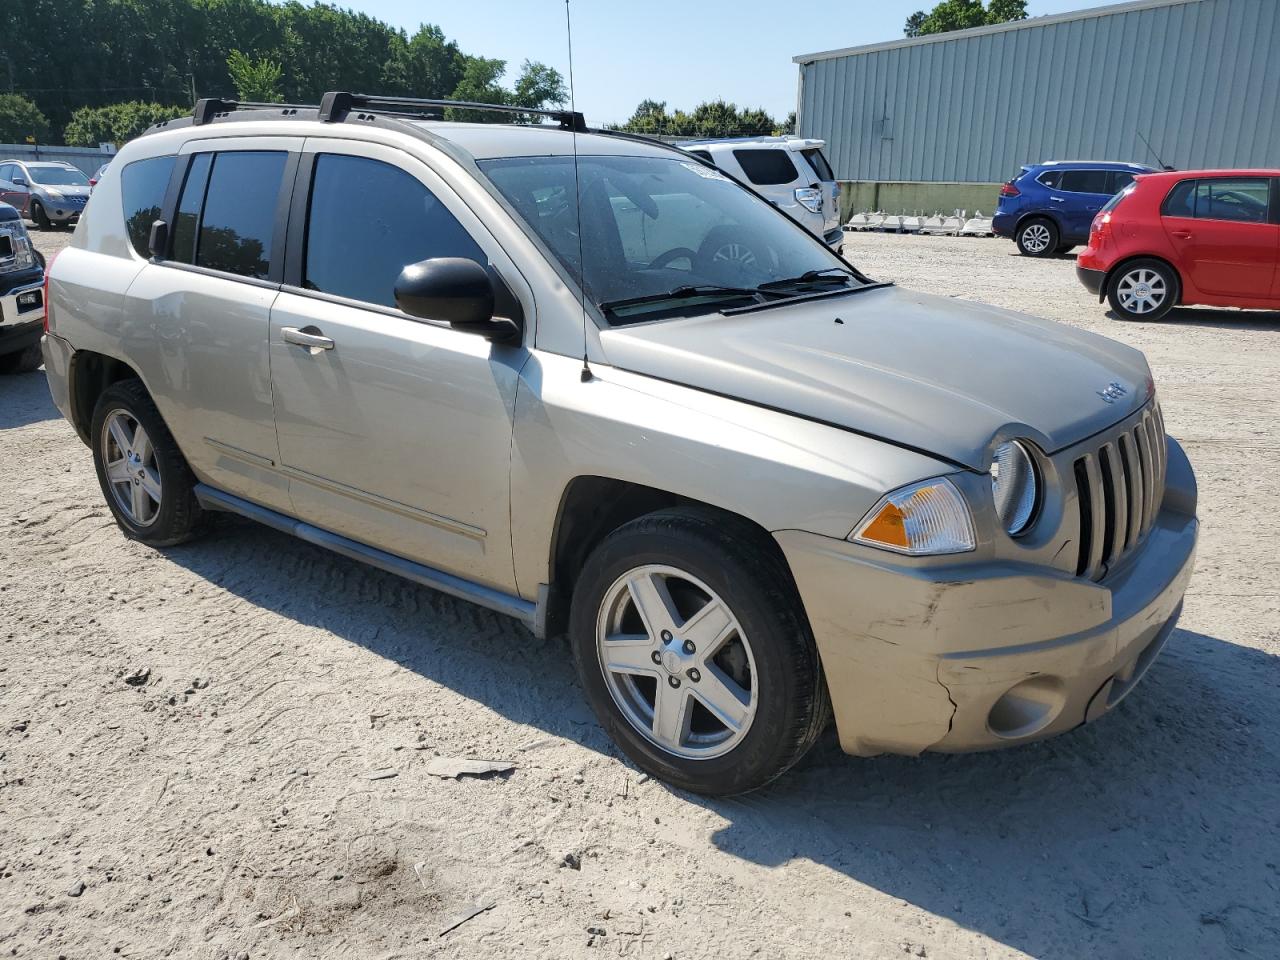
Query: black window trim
[279,229]
[1273,205]
[295,251]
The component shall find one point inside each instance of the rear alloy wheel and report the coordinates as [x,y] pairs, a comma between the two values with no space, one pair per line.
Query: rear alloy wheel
[694,651]
[1143,290]
[1037,238]
[143,475]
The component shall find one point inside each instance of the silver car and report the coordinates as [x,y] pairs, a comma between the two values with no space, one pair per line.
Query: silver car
[47,192]
[505,362]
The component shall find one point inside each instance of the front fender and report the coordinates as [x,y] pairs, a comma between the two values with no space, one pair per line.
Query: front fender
[776,470]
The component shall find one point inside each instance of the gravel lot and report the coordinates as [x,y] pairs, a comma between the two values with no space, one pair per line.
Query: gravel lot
[225,807]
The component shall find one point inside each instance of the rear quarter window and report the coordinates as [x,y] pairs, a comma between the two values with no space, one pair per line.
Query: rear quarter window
[766,167]
[142,187]
[819,163]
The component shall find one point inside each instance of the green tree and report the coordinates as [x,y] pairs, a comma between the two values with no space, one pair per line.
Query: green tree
[961,14]
[714,118]
[116,123]
[21,118]
[256,81]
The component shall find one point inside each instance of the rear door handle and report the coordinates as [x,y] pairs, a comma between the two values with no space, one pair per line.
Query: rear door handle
[1058,199]
[1183,234]
[309,337]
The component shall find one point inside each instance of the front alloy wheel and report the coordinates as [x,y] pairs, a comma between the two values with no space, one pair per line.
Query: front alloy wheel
[694,651]
[677,662]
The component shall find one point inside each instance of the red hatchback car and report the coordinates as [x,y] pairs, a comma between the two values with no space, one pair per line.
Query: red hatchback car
[1187,237]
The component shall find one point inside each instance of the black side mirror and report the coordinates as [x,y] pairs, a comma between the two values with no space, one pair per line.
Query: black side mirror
[158,242]
[456,291]
[20,181]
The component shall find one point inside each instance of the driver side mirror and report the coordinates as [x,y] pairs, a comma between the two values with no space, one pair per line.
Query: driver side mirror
[20,181]
[455,291]
[158,241]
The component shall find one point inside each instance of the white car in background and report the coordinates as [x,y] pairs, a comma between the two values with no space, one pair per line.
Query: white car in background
[790,172]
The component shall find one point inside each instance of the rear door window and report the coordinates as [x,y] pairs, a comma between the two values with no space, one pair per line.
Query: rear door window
[142,186]
[819,163]
[1241,199]
[766,167]
[1084,181]
[227,212]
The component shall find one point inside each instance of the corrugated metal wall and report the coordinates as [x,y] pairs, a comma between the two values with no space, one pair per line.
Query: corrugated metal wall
[1199,79]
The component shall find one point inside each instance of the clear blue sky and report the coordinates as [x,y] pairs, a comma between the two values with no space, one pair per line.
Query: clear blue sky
[680,51]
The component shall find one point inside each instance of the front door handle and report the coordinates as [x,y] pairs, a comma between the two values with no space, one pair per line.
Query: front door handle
[309,337]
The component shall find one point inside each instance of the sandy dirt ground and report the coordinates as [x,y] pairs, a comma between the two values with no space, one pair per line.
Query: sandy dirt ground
[226,807]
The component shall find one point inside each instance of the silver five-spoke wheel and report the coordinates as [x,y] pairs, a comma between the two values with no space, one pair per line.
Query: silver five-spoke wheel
[1142,291]
[676,662]
[132,472]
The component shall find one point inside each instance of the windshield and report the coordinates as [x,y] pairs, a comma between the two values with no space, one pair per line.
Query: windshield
[58,176]
[664,234]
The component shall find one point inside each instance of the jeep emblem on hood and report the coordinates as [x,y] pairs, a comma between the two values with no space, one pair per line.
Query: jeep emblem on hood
[1112,392]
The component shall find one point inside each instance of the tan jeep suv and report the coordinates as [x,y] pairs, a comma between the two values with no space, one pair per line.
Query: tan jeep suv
[599,385]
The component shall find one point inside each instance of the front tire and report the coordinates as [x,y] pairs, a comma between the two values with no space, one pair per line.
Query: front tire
[695,653]
[1037,237]
[1143,290]
[39,217]
[26,360]
[144,477]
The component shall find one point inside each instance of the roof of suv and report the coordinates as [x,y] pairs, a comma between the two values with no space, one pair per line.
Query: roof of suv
[488,141]
[1092,165]
[784,143]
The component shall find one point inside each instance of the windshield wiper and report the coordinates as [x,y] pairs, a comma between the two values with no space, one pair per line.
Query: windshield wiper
[809,276]
[682,293]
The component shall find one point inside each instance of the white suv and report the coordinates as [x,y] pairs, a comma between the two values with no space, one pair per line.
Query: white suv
[790,172]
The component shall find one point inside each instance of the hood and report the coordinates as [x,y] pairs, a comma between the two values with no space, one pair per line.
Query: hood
[68,190]
[934,374]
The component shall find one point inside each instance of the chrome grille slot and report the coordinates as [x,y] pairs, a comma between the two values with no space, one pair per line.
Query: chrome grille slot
[1119,486]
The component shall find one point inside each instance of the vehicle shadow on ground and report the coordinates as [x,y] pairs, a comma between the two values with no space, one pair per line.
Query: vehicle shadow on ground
[1150,833]
[1214,319]
[24,399]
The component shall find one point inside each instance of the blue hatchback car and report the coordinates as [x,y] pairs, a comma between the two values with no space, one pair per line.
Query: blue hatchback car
[1048,207]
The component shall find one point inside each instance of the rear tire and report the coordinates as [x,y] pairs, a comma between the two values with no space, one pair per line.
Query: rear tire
[725,595]
[1036,237]
[144,477]
[1144,290]
[26,360]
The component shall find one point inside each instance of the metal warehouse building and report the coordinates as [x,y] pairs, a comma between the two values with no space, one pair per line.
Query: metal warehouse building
[934,122]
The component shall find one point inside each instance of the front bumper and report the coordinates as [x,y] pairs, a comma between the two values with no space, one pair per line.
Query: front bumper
[985,656]
[21,310]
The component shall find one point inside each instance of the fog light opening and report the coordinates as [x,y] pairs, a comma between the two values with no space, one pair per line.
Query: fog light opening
[1026,708]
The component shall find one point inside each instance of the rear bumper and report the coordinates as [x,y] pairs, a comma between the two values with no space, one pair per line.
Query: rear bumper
[57,368]
[1090,279]
[834,239]
[984,656]
[1002,224]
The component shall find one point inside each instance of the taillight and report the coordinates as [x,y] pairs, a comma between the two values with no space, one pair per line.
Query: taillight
[48,311]
[1009,190]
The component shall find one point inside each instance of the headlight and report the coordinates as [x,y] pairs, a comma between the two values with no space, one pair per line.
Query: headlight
[15,244]
[53,194]
[920,519]
[809,198]
[1015,487]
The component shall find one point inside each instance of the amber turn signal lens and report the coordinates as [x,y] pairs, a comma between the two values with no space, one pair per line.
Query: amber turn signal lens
[920,519]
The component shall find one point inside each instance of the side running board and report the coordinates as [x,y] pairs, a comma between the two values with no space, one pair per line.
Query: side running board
[213,499]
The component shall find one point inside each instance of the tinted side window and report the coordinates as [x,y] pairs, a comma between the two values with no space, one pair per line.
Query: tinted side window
[1084,181]
[765,167]
[703,155]
[1181,201]
[1050,178]
[367,221]
[187,218]
[819,163]
[239,217]
[1117,180]
[142,186]
[1242,199]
